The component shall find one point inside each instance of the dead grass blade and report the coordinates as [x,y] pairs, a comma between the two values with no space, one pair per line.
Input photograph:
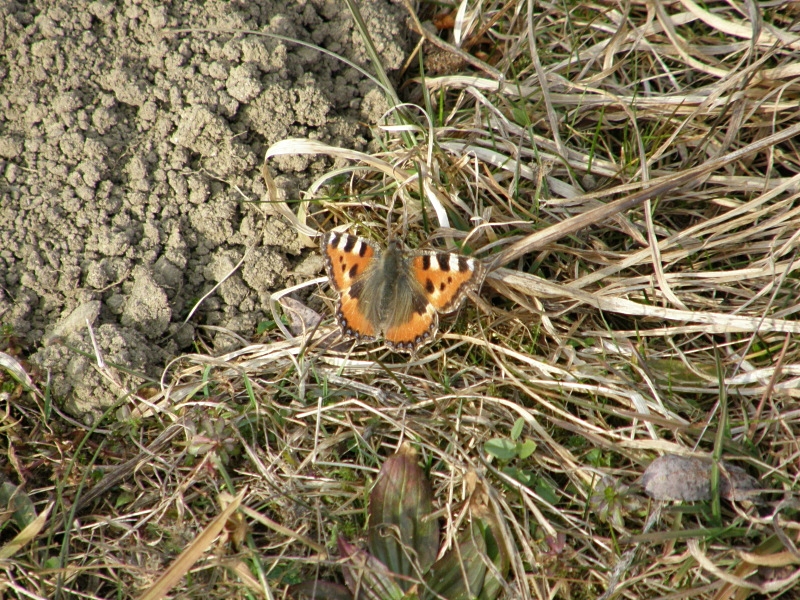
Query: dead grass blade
[27,535]
[186,560]
[655,188]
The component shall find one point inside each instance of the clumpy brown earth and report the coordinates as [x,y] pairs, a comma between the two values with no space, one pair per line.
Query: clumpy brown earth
[129,170]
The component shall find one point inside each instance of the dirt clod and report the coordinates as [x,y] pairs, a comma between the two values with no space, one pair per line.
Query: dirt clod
[129,159]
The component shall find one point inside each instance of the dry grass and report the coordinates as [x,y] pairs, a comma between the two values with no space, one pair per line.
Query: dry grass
[630,174]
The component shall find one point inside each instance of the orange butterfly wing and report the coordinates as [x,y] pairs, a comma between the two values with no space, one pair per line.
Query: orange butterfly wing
[347,258]
[446,278]
[418,330]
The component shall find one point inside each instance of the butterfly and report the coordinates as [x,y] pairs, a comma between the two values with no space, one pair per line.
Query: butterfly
[395,294]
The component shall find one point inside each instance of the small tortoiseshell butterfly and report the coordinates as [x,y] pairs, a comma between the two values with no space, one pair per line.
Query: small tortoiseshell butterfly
[395,294]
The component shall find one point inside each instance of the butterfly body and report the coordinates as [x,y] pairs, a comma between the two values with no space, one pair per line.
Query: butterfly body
[395,294]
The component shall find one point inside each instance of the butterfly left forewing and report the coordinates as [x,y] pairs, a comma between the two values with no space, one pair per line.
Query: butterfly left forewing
[348,260]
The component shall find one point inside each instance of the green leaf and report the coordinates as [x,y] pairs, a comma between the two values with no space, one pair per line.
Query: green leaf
[264,326]
[459,574]
[598,458]
[516,431]
[546,492]
[501,448]
[521,117]
[366,576]
[401,534]
[492,586]
[526,448]
[124,498]
[526,478]
[15,501]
